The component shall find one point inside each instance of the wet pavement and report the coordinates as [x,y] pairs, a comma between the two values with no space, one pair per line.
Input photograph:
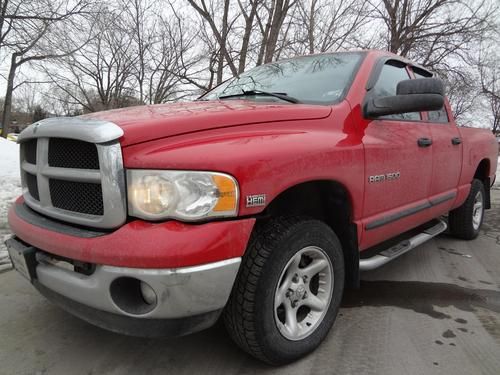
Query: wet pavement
[435,310]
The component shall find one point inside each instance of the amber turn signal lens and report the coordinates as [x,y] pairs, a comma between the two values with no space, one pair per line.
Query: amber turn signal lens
[227,193]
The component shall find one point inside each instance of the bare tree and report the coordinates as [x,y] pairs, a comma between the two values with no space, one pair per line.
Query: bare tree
[141,16]
[489,74]
[461,92]
[323,25]
[249,16]
[155,51]
[270,24]
[98,75]
[219,32]
[431,31]
[32,35]
[171,58]
[5,22]
[27,97]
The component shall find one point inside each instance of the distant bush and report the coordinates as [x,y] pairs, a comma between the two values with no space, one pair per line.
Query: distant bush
[39,113]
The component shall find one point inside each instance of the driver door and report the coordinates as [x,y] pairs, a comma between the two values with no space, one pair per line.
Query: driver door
[398,166]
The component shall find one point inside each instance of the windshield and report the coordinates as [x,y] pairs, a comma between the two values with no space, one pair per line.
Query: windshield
[319,79]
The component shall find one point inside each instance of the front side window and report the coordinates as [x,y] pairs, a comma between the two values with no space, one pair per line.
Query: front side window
[386,85]
[319,79]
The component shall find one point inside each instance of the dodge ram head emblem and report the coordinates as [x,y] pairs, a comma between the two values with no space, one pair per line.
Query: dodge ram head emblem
[256,200]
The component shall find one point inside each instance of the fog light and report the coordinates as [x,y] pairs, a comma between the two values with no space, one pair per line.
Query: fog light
[148,294]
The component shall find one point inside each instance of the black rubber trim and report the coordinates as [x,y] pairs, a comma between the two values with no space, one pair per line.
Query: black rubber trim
[408,212]
[487,190]
[442,199]
[140,327]
[377,69]
[36,219]
[398,215]
[391,60]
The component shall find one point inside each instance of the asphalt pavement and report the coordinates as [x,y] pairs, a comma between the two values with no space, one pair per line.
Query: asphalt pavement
[435,310]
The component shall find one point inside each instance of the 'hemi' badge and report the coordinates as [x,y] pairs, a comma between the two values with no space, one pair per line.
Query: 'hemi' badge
[256,200]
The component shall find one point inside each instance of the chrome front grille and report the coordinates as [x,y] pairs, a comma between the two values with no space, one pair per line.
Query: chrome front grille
[71,153]
[31,183]
[89,195]
[72,170]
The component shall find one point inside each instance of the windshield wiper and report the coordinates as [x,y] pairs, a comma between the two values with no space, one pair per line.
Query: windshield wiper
[279,95]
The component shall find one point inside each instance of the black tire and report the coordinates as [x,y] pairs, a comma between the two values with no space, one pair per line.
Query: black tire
[461,220]
[250,313]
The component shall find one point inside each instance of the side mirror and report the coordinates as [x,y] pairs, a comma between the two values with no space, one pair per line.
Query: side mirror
[412,95]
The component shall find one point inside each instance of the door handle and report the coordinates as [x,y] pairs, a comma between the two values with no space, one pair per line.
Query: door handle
[456,141]
[424,142]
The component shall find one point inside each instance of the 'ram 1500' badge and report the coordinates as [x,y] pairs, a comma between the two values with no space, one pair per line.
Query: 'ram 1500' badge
[256,200]
[384,177]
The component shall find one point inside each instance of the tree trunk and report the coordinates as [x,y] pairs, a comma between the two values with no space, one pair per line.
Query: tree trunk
[223,41]
[7,106]
[312,25]
[246,36]
[220,39]
[265,34]
[274,31]
[281,8]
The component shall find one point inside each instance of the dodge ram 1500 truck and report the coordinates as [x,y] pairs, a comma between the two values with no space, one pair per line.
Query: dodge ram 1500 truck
[258,202]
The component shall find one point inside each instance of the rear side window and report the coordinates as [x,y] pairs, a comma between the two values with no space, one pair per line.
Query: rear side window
[440,116]
[387,82]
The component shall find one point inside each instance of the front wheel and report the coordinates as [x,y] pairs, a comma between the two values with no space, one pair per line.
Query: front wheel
[288,290]
[466,220]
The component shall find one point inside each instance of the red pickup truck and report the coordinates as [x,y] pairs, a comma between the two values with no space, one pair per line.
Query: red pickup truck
[258,202]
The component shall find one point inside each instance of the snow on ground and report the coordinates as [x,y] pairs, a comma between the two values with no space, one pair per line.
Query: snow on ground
[10,188]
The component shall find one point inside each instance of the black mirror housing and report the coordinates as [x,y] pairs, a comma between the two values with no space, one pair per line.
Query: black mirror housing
[420,86]
[413,95]
[392,105]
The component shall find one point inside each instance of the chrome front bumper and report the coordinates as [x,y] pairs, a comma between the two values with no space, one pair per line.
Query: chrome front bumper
[179,293]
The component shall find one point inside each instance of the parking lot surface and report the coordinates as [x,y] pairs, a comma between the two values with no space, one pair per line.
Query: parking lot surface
[435,310]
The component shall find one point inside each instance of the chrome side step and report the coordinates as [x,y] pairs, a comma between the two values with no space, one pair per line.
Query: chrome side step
[401,248]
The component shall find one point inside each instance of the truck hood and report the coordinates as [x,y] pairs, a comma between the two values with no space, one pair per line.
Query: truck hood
[145,123]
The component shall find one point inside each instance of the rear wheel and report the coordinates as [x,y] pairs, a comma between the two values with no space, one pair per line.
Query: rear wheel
[466,220]
[288,290]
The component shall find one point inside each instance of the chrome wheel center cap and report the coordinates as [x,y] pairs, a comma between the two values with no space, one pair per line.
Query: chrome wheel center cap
[297,293]
[300,292]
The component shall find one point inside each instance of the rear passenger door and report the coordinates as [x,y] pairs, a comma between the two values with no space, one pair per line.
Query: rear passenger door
[446,156]
[398,165]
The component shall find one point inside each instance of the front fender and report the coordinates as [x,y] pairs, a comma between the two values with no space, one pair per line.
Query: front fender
[266,159]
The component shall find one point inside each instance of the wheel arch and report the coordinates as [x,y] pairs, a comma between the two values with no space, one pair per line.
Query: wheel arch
[482,173]
[330,202]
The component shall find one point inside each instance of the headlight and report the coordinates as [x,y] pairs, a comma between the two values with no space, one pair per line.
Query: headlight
[183,195]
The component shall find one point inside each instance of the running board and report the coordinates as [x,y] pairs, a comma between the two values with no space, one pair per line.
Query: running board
[401,248]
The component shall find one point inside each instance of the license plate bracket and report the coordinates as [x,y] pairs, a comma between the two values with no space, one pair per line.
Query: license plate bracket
[22,257]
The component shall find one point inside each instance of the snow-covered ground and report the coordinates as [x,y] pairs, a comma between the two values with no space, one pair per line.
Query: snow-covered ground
[10,188]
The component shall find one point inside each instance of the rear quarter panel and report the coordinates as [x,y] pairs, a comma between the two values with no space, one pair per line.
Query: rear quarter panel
[478,145]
